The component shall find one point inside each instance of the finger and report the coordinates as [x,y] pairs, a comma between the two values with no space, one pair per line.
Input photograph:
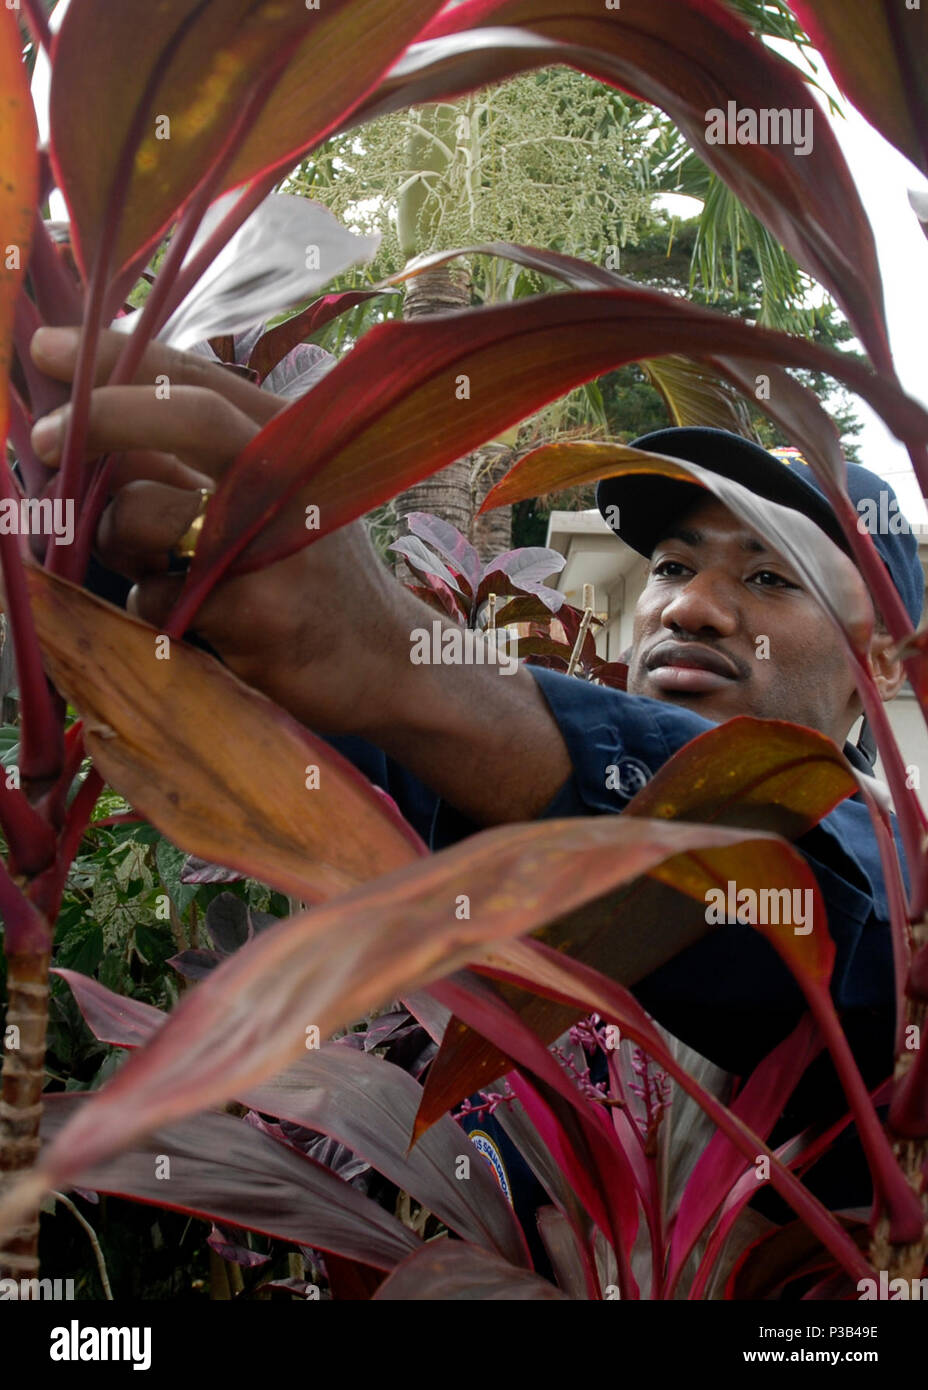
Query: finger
[158,468]
[142,524]
[54,350]
[153,598]
[194,424]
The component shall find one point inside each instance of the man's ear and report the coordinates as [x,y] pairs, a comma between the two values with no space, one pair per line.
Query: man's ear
[887,670]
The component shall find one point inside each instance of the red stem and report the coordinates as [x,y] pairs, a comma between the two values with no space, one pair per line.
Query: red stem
[30,838]
[56,804]
[57,296]
[72,477]
[94,502]
[35,474]
[913,825]
[78,818]
[73,474]
[903,1207]
[44,393]
[898,918]
[25,930]
[41,744]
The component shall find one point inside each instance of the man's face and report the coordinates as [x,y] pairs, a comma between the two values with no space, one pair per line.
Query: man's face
[714,592]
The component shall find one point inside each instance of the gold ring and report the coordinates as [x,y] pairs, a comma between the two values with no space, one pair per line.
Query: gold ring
[186,547]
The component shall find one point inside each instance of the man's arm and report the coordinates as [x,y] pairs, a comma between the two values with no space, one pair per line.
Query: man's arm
[327,631]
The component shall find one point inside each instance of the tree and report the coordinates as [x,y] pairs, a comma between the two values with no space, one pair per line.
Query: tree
[549,159]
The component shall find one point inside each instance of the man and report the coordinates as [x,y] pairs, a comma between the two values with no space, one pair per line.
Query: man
[461,748]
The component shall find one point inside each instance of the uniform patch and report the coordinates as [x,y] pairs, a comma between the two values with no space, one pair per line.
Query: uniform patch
[627,776]
[485,1146]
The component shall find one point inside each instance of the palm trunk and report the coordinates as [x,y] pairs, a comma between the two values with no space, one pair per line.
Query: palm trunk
[448,493]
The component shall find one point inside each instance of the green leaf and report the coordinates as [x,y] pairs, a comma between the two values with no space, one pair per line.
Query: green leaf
[170,861]
[153,943]
[83,949]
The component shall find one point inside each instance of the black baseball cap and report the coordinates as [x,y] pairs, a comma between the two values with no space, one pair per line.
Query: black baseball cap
[648,503]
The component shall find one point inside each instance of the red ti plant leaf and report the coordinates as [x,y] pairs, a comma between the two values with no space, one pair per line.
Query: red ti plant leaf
[224,1170]
[784,1254]
[273,346]
[798,1154]
[362,1101]
[810,957]
[530,962]
[691,64]
[157,119]
[18,191]
[793,406]
[113,1018]
[762,774]
[201,61]
[370,1105]
[170,734]
[386,415]
[319,971]
[759,1105]
[452,1270]
[879,57]
[579,1135]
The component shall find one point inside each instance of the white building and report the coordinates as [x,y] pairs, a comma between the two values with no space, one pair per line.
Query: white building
[596,556]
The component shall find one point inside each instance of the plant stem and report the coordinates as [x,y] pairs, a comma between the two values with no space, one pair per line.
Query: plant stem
[41,743]
[35,475]
[73,474]
[907,1261]
[94,1242]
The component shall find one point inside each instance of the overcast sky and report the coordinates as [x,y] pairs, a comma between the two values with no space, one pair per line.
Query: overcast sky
[883,176]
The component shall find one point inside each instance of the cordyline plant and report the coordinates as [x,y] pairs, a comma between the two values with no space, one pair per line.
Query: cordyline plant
[184,137]
[457,585]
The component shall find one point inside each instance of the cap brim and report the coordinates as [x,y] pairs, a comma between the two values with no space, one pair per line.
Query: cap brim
[648,503]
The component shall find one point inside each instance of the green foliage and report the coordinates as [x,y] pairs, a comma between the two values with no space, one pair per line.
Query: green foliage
[662,259]
[546,159]
[124,914]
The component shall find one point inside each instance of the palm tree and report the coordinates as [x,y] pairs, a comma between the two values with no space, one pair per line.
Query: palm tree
[552,159]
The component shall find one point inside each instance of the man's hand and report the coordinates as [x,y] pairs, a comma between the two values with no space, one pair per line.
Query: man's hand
[303,630]
[325,632]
